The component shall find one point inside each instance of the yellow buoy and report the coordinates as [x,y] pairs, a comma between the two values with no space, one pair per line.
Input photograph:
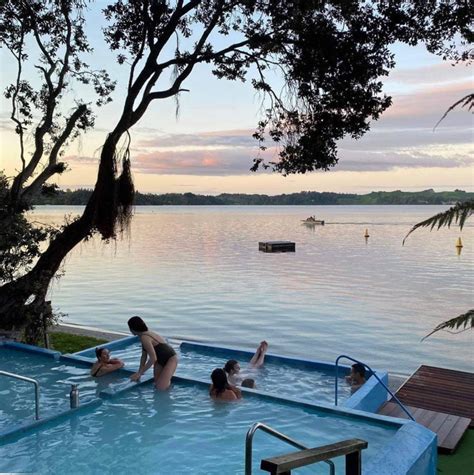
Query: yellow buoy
[366,235]
[459,243]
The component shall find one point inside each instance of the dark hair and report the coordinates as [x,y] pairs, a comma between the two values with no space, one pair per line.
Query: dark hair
[248,383]
[98,352]
[359,368]
[219,381]
[137,325]
[229,366]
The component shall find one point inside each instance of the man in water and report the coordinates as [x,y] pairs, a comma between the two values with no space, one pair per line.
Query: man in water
[357,377]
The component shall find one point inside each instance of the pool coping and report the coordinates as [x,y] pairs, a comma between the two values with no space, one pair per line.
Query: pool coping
[417,443]
[369,397]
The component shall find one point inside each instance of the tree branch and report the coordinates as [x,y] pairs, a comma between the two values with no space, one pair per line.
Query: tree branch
[52,168]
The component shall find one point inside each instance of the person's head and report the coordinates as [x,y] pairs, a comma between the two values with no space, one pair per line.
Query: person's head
[137,325]
[103,355]
[232,367]
[248,383]
[358,371]
[219,380]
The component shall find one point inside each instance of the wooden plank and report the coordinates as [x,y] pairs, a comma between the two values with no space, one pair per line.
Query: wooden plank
[452,440]
[285,463]
[441,390]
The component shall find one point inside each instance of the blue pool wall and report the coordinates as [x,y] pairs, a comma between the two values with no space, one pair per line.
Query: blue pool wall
[411,451]
[368,398]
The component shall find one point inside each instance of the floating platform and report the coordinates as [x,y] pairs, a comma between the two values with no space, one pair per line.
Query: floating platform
[277,246]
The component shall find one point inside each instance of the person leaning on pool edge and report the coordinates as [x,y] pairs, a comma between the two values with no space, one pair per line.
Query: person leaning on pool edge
[357,377]
[104,364]
[155,352]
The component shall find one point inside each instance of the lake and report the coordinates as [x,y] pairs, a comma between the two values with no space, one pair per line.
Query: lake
[196,273]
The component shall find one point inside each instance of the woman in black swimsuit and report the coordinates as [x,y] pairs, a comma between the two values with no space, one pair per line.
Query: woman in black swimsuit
[155,352]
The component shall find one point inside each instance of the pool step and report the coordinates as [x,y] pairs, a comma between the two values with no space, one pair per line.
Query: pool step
[448,427]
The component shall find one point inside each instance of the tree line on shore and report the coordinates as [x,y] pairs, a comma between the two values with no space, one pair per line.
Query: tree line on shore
[428,197]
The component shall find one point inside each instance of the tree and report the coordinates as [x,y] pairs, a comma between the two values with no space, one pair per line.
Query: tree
[330,56]
[47,37]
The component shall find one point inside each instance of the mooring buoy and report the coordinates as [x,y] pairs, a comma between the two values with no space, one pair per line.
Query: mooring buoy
[366,235]
[459,243]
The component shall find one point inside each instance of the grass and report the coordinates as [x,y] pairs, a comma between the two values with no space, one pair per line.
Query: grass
[69,343]
[462,461]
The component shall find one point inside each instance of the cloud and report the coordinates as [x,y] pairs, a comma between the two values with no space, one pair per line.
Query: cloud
[230,138]
[423,108]
[198,162]
[430,74]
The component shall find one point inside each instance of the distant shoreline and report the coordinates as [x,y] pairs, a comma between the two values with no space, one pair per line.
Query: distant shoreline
[303,198]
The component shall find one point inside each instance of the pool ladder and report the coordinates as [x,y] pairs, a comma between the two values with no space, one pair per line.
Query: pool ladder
[373,373]
[278,435]
[28,380]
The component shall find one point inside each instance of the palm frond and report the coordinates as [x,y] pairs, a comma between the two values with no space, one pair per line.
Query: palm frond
[466,101]
[457,213]
[462,323]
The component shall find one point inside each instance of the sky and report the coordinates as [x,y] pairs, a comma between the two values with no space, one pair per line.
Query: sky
[207,148]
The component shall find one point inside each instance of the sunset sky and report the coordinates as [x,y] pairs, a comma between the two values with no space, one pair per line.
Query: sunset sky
[209,148]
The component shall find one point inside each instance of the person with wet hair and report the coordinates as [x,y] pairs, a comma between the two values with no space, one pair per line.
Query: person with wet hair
[356,378]
[220,389]
[155,352]
[105,364]
[232,367]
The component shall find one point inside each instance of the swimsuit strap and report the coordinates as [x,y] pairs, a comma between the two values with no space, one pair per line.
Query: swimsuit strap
[96,372]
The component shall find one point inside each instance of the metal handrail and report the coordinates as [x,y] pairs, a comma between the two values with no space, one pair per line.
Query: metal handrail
[278,435]
[404,409]
[28,380]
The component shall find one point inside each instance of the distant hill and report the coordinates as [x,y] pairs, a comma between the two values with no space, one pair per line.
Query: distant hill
[426,197]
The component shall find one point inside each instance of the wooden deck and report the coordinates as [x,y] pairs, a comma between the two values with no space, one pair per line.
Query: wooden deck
[440,399]
[449,428]
[440,390]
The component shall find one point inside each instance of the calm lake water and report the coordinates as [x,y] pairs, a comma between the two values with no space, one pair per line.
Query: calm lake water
[196,273]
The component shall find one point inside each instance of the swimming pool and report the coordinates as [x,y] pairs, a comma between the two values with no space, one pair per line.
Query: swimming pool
[291,377]
[55,375]
[132,427]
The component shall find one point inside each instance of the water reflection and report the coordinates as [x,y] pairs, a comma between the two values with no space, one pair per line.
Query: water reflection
[196,273]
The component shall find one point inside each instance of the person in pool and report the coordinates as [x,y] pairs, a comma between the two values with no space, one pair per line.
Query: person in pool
[105,364]
[155,352]
[232,367]
[356,378]
[220,389]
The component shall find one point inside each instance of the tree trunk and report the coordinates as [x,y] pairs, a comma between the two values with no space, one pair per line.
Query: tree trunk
[23,302]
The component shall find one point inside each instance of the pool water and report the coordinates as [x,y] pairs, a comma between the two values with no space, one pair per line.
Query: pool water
[181,431]
[17,399]
[311,384]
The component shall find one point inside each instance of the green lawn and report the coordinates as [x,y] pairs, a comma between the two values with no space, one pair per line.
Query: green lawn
[462,461]
[68,343]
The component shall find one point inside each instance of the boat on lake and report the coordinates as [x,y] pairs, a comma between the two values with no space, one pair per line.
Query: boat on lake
[313,220]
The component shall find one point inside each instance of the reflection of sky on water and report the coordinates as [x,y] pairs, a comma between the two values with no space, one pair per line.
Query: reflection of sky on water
[196,273]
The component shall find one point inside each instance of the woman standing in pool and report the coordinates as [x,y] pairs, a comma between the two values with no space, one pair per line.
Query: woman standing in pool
[155,352]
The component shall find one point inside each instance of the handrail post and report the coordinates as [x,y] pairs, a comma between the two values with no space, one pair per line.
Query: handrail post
[28,380]
[404,409]
[278,435]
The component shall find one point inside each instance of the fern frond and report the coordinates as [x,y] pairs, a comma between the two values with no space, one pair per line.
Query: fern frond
[462,323]
[457,213]
[466,101]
